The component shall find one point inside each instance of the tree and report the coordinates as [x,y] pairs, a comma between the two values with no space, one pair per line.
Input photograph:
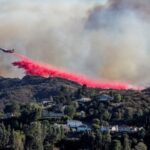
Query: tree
[31,112]
[44,127]
[34,137]
[87,140]
[53,135]
[128,113]
[140,146]
[36,111]
[64,89]
[106,140]
[12,107]
[70,111]
[96,124]
[142,133]
[117,115]
[18,140]
[116,145]
[4,136]
[126,142]
[96,121]
[84,89]
[75,104]
[48,146]
[62,132]
[106,115]
[139,113]
[98,140]
[1,114]
[118,98]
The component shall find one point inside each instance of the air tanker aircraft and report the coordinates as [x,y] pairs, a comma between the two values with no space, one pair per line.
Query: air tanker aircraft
[7,50]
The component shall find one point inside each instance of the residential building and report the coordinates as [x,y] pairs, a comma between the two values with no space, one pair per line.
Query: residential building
[52,115]
[83,128]
[104,98]
[121,129]
[74,123]
[84,99]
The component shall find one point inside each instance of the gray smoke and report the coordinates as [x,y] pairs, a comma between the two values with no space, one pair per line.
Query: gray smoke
[107,39]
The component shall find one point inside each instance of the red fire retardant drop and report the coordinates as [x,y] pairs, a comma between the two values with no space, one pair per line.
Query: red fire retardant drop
[34,68]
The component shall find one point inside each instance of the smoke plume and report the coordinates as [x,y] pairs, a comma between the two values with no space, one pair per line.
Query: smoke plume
[106,39]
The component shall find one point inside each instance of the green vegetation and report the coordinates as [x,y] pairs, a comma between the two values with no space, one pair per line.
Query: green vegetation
[40,121]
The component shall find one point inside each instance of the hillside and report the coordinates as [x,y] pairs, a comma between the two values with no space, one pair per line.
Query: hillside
[36,89]
[44,113]
[32,88]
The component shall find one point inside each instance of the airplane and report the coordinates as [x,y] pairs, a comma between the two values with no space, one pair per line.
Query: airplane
[7,50]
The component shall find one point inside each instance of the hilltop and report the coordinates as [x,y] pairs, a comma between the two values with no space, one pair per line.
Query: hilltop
[32,88]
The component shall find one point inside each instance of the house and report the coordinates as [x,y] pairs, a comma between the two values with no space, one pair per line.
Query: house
[127,129]
[47,104]
[134,129]
[121,129]
[8,115]
[104,129]
[83,128]
[52,115]
[56,108]
[84,99]
[104,98]
[114,128]
[74,123]
[78,126]
[64,126]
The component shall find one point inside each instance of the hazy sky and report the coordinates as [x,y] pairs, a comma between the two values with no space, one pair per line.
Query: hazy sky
[104,39]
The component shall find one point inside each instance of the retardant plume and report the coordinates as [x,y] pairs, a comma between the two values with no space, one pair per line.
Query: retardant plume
[34,68]
[104,39]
